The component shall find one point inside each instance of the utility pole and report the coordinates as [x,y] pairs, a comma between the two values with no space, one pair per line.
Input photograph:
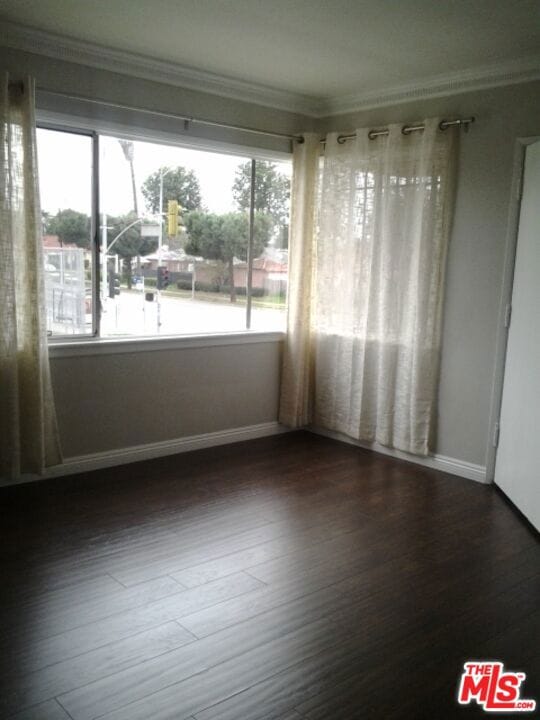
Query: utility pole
[160,242]
[160,245]
[104,260]
[249,272]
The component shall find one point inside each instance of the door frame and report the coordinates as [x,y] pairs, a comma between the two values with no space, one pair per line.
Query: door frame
[507,287]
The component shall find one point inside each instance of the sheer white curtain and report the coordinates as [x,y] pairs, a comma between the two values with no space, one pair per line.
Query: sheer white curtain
[378,282]
[28,431]
[295,400]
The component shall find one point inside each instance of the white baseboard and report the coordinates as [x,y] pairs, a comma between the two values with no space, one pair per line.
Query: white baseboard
[136,453]
[464,469]
[123,456]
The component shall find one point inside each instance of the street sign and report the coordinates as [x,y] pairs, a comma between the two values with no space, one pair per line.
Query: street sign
[150,230]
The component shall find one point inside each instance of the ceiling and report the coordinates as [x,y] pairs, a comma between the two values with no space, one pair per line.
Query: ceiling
[318,48]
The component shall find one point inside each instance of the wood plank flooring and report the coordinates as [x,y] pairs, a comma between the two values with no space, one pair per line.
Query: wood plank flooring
[286,578]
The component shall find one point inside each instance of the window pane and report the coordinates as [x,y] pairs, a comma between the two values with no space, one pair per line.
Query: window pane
[203,252]
[65,181]
[271,245]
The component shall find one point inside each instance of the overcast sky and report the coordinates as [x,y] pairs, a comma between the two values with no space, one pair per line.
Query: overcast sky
[65,173]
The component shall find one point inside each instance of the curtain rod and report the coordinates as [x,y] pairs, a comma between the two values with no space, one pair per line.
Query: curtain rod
[406,129]
[187,120]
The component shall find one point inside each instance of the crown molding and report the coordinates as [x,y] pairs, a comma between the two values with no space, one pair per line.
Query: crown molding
[478,78]
[60,47]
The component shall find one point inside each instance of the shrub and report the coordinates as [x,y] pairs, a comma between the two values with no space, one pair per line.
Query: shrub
[255,292]
[215,287]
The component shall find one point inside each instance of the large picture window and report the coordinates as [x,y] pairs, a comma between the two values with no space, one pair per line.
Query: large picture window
[185,241]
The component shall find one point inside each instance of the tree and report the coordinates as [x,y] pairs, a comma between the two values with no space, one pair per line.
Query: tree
[224,237]
[179,184]
[272,190]
[45,222]
[70,226]
[131,244]
[128,148]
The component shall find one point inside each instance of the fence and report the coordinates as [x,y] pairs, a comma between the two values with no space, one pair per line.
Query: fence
[65,289]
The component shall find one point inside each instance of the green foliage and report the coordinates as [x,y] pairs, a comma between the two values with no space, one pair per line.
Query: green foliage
[179,184]
[205,235]
[131,244]
[70,226]
[210,287]
[255,292]
[272,190]
[224,237]
[46,218]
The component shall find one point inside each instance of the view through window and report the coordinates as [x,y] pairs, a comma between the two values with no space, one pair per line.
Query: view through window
[65,173]
[175,248]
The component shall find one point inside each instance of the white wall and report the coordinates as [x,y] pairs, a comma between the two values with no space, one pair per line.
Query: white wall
[121,400]
[476,254]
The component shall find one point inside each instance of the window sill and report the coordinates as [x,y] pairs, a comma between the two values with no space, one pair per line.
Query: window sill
[113,346]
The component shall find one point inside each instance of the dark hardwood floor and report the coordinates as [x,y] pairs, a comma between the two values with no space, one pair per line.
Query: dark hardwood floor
[284,578]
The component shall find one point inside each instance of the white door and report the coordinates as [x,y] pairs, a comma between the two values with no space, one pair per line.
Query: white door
[517,469]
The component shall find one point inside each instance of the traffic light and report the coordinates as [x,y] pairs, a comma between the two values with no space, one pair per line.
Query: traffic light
[114,285]
[162,277]
[173,210]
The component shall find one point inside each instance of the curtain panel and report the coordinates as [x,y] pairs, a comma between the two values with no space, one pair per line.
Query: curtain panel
[377,285]
[28,429]
[295,400]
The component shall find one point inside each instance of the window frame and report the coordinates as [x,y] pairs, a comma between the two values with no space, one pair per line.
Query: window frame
[93,343]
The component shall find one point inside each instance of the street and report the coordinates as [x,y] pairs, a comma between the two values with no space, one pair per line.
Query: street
[130,314]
